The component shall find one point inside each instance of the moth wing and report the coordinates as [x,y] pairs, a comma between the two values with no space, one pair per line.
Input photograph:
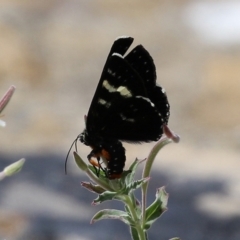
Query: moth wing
[121,108]
[142,62]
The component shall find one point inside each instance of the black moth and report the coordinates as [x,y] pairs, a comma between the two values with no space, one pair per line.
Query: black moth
[127,106]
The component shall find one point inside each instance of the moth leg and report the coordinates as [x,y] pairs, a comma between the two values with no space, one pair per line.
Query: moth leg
[95,163]
[99,167]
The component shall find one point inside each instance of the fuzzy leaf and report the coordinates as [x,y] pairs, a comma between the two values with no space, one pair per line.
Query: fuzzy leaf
[107,195]
[134,233]
[112,214]
[92,187]
[124,177]
[14,167]
[137,207]
[135,185]
[132,170]
[157,208]
[81,164]
[97,172]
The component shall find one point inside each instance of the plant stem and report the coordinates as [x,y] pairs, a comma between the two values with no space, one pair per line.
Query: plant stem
[129,202]
[146,173]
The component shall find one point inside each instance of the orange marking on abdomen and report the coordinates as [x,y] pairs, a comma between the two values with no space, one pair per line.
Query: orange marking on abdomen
[94,163]
[105,154]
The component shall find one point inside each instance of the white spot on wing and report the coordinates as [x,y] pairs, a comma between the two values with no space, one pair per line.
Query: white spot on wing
[122,90]
[147,99]
[124,118]
[130,120]
[117,54]
[111,72]
[109,87]
[103,102]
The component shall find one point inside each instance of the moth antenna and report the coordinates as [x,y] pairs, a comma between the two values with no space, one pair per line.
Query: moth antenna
[74,142]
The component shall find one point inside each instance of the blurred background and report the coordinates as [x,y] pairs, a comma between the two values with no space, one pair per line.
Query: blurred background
[54,52]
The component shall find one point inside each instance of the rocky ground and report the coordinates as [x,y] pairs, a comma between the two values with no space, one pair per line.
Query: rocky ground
[54,51]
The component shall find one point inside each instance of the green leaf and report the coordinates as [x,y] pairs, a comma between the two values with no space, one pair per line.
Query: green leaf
[111,214]
[92,187]
[14,167]
[116,184]
[134,233]
[132,170]
[106,196]
[97,172]
[157,208]
[175,238]
[80,163]
[127,210]
[137,208]
[135,185]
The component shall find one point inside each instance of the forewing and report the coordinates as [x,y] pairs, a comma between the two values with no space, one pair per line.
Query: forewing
[142,62]
[120,46]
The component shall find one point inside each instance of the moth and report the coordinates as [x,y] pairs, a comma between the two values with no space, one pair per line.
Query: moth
[128,105]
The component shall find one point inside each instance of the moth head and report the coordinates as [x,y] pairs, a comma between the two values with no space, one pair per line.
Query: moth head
[83,137]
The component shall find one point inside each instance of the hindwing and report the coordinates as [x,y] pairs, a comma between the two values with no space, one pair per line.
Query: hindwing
[127,104]
[142,62]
